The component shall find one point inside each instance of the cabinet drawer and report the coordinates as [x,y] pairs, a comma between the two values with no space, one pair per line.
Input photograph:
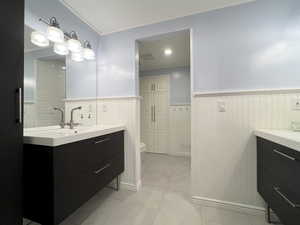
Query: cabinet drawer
[284,202]
[281,162]
[106,147]
[106,172]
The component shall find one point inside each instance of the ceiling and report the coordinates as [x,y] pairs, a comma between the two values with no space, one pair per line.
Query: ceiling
[116,15]
[151,51]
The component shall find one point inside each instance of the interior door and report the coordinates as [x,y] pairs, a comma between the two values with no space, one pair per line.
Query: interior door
[161,114]
[11,129]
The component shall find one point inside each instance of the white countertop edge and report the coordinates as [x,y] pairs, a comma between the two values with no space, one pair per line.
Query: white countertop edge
[283,137]
[54,142]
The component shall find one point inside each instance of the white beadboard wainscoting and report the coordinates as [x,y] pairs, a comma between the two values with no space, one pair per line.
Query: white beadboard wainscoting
[125,111]
[224,147]
[179,130]
[116,110]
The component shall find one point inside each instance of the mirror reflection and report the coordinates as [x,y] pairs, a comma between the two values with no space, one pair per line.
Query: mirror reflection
[59,67]
[44,84]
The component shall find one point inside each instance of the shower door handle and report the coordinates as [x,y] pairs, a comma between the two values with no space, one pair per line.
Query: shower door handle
[152,118]
[154,113]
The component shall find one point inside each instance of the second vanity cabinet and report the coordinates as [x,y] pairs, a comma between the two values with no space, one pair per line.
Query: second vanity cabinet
[279,179]
[58,180]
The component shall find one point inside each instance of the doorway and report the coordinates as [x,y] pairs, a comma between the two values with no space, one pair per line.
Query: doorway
[165,90]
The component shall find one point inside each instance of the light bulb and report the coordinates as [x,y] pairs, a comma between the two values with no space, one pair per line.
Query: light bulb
[39,39]
[61,48]
[88,54]
[55,34]
[74,45]
[77,56]
[168,51]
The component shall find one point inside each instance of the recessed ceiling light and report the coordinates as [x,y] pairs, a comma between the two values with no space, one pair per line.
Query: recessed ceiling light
[168,51]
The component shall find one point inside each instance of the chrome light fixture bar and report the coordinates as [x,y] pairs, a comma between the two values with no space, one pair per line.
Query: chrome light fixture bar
[64,42]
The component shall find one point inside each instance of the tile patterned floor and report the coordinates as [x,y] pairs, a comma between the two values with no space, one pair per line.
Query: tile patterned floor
[163,200]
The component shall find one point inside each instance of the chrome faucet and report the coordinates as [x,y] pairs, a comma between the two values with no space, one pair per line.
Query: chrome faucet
[62,120]
[72,124]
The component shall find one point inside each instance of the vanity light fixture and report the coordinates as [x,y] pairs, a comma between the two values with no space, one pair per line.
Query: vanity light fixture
[88,52]
[77,56]
[39,39]
[74,44]
[54,33]
[63,42]
[61,48]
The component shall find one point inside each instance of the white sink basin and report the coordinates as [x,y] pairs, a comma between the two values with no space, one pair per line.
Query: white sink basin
[55,136]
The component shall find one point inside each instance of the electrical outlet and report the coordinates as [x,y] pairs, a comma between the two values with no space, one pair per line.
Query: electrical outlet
[221,106]
[296,103]
[104,108]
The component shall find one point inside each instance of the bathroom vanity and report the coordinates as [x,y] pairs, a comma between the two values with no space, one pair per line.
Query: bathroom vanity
[64,168]
[278,173]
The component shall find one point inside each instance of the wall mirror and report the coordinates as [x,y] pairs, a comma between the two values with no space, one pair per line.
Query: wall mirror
[59,75]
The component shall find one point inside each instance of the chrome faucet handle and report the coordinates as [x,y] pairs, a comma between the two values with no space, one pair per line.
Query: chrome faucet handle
[62,121]
[72,124]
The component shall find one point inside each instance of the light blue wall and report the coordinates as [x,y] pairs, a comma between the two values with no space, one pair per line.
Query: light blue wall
[81,77]
[180,83]
[250,46]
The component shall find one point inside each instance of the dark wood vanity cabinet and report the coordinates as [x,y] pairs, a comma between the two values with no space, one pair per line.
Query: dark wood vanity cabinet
[278,174]
[58,180]
[11,112]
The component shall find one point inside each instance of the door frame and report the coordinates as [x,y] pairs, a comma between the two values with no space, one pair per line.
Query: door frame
[137,78]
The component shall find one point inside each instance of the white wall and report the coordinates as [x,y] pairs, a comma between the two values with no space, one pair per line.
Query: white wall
[224,147]
[50,91]
[29,115]
[124,111]
[180,83]
[87,116]
[180,130]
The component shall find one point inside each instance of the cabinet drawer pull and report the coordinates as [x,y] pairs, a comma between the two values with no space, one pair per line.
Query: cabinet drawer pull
[103,168]
[284,155]
[277,189]
[101,141]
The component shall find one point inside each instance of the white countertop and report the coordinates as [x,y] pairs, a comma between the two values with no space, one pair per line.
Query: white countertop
[288,138]
[55,136]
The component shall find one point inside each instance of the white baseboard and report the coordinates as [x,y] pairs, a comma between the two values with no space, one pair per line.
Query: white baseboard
[238,207]
[130,187]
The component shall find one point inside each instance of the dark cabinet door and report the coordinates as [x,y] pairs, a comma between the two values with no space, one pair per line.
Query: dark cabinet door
[11,130]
